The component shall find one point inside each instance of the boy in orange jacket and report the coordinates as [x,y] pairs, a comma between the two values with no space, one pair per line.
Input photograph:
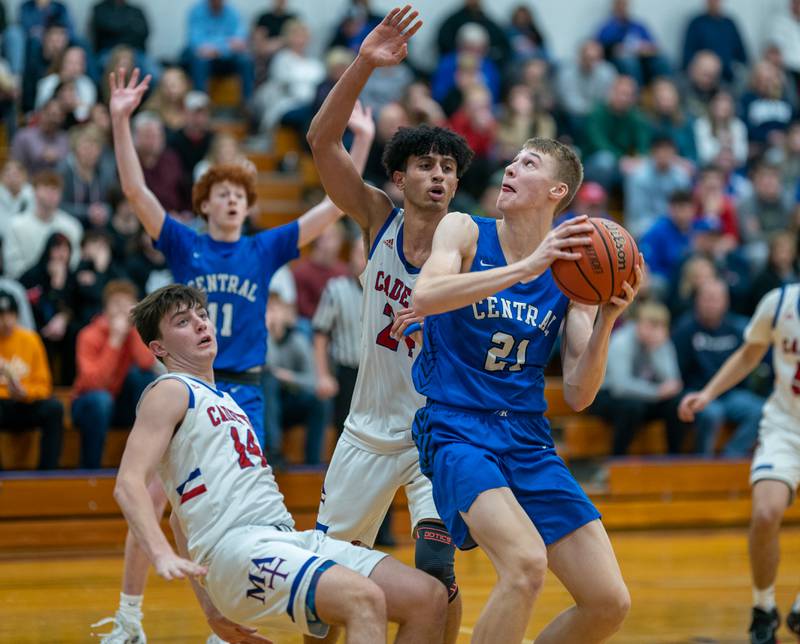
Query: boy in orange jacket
[113,366]
[26,385]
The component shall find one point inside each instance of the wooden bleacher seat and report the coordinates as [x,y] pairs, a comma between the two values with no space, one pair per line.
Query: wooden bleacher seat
[225,91]
[20,450]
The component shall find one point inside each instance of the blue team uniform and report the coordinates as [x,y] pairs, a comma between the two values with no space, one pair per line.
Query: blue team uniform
[482,371]
[236,277]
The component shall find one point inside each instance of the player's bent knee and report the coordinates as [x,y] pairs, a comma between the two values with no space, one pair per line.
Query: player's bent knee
[767,516]
[367,601]
[435,554]
[525,575]
[613,607]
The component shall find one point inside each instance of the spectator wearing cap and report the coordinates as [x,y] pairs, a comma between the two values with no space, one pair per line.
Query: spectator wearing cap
[114,368]
[710,241]
[218,45]
[24,312]
[44,144]
[705,338]
[643,381]
[667,242]
[192,142]
[26,387]
[28,233]
[648,187]
[591,199]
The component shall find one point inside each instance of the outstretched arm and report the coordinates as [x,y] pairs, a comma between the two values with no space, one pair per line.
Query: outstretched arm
[385,45]
[584,347]
[314,221]
[161,410]
[224,628]
[731,373]
[124,100]
[445,282]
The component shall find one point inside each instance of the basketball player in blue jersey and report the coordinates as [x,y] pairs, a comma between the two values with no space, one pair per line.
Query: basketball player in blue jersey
[234,270]
[492,313]
[375,454]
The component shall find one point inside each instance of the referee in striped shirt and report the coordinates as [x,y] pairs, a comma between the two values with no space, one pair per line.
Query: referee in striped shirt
[337,335]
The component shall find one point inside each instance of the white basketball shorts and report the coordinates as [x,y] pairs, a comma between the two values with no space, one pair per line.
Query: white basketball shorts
[777,456]
[265,577]
[360,485]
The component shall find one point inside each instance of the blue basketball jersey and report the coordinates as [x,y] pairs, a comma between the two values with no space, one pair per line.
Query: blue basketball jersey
[491,355]
[236,277]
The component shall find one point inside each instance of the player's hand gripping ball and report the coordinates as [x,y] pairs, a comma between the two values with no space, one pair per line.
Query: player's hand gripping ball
[604,265]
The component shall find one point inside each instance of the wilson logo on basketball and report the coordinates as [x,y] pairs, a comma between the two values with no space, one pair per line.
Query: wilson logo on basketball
[619,245]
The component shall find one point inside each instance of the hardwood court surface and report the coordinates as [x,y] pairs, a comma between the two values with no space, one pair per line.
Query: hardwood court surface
[687,586]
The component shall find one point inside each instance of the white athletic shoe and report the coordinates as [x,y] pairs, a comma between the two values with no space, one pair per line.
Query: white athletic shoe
[214,639]
[125,631]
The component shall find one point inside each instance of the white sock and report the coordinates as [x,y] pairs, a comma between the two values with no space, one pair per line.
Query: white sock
[131,606]
[796,605]
[764,598]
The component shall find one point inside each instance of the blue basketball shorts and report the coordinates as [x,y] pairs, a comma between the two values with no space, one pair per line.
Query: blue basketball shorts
[251,399]
[466,452]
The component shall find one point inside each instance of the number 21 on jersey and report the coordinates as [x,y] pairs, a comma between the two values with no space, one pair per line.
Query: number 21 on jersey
[503,345]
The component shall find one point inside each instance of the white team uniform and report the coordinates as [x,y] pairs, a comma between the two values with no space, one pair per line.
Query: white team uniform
[376,454]
[260,570]
[777,322]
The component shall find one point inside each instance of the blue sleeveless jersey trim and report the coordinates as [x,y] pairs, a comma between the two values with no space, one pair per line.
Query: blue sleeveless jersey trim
[399,244]
[389,219]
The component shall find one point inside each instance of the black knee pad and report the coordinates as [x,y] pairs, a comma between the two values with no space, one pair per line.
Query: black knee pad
[435,554]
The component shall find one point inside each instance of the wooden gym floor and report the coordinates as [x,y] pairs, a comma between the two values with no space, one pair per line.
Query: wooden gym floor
[687,586]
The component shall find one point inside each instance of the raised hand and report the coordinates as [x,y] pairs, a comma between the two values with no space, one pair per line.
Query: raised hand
[360,121]
[387,44]
[126,98]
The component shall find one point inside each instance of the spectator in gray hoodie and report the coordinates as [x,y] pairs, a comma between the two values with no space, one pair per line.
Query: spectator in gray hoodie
[643,381]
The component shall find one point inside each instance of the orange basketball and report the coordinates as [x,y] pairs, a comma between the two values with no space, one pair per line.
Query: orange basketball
[607,262]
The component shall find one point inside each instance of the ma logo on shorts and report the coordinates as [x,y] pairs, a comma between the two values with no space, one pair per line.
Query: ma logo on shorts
[258,580]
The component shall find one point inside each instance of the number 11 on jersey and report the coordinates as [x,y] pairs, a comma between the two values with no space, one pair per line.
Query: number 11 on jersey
[225,329]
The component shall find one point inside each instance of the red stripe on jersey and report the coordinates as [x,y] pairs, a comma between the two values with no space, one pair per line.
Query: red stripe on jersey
[197,491]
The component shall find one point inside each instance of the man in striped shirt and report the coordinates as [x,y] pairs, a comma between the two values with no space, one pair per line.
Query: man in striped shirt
[337,335]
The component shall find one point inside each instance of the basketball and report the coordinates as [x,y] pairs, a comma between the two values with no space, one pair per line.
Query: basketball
[604,264]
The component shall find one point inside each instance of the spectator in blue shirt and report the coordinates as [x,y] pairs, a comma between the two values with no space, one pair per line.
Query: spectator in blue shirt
[667,242]
[470,58]
[218,45]
[716,32]
[631,46]
[704,339]
[648,187]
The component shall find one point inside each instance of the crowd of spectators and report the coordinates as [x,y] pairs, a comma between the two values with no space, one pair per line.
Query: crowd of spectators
[699,157]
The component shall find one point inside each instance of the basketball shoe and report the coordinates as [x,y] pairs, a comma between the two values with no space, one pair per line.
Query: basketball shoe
[127,630]
[793,622]
[764,626]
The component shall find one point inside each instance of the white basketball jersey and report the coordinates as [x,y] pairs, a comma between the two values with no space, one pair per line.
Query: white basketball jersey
[777,321]
[384,399]
[214,473]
